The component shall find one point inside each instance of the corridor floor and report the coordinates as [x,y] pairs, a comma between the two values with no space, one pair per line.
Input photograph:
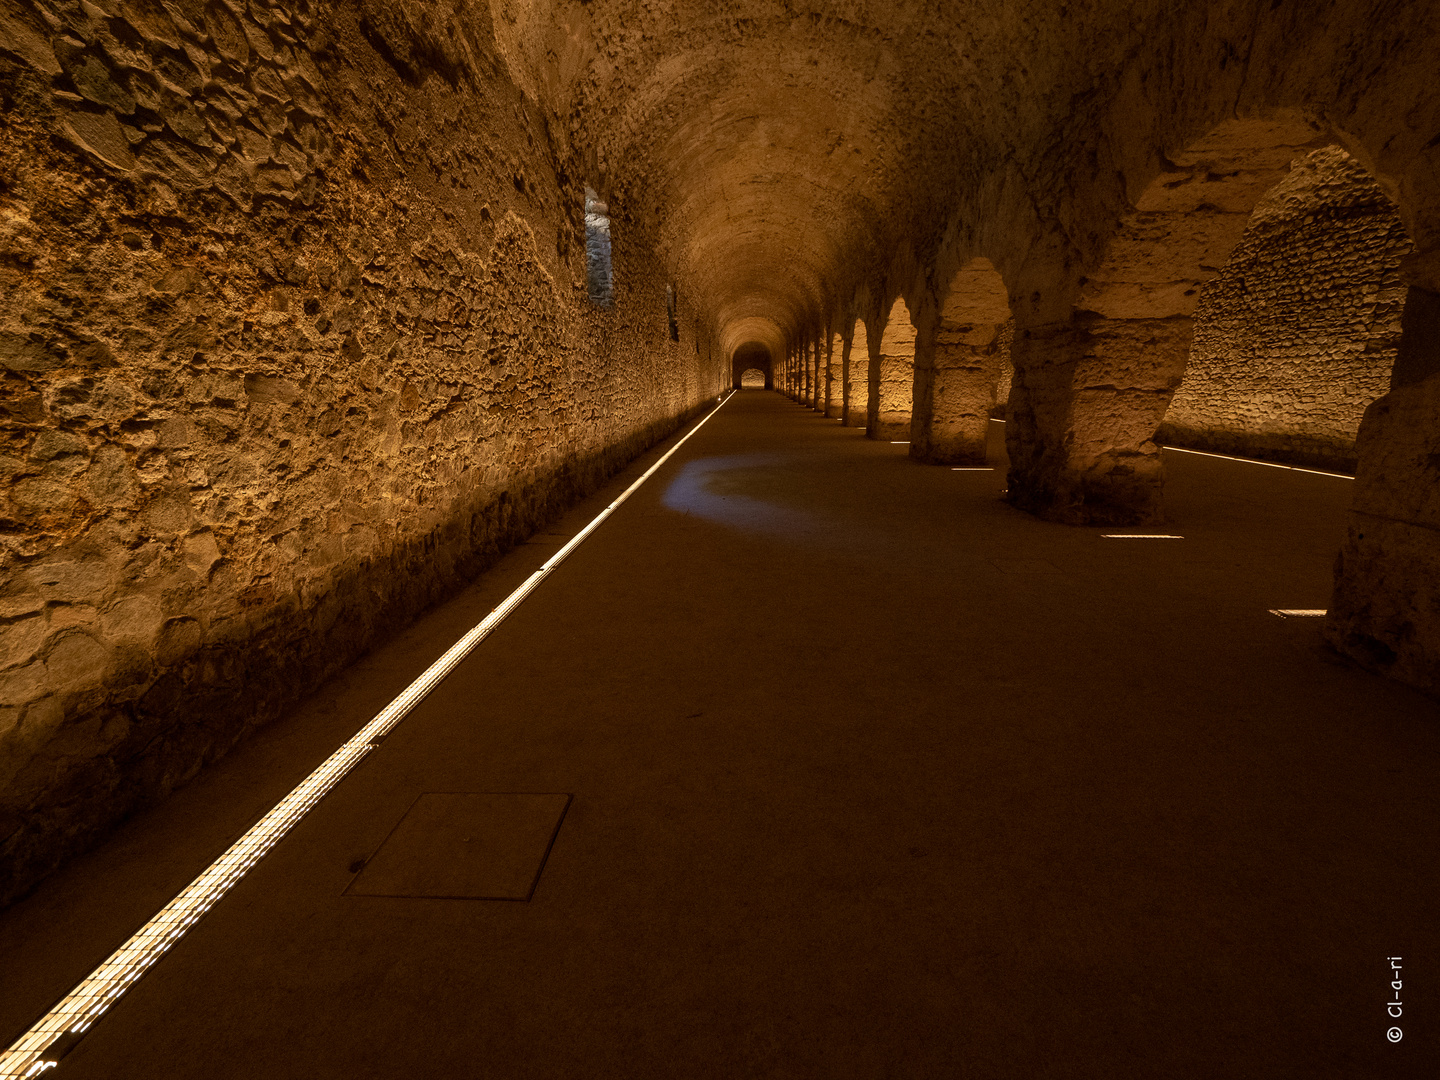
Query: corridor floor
[871,776]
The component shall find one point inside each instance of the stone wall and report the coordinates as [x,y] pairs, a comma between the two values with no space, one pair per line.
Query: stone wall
[1298,333]
[295,339]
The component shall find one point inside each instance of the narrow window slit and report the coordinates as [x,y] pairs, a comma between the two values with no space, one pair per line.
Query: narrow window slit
[599,277]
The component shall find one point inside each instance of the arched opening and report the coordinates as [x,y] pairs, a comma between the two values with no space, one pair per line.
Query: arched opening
[1089,395]
[893,377]
[970,368]
[752,379]
[752,357]
[1298,333]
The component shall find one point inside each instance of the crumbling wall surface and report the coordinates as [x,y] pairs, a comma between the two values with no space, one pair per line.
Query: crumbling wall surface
[1297,335]
[294,338]
[1007,370]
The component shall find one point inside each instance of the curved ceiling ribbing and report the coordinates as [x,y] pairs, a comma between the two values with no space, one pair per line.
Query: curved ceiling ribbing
[773,145]
[788,151]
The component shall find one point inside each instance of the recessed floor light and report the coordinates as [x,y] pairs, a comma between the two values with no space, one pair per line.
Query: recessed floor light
[972,468]
[1141,536]
[1299,613]
[55,1033]
[899,442]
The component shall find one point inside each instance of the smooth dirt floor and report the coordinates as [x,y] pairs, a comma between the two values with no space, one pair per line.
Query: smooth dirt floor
[872,776]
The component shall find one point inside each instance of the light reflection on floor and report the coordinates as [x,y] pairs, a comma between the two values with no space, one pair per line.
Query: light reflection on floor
[694,491]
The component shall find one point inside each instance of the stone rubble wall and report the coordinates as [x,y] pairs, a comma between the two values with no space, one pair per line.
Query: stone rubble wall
[295,340]
[1298,334]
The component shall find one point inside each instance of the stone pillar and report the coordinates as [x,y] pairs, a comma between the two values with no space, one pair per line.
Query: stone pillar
[872,382]
[807,387]
[1385,612]
[1088,396]
[957,380]
[922,386]
[952,413]
[809,348]
[857,378]
[818,350]
[834,380]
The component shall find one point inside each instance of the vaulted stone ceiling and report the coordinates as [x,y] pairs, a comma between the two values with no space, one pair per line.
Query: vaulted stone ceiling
[808,161]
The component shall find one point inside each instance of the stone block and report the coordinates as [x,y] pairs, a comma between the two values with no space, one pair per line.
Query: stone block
[227,33]
[201,552]
[38,496]
[152,20]
[132,620]
[21,638]
[23,684]
[21,37]
[179,638]
[95,81]
[75,662]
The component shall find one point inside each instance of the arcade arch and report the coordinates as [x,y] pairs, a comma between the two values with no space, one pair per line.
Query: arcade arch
[892,373]
[1089,393]
[752,357]
[957,391]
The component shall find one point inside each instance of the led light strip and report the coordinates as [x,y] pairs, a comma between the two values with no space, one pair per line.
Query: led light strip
[1141,536]
[972,468]
[51,1037]
[1257,461]
[1298,613]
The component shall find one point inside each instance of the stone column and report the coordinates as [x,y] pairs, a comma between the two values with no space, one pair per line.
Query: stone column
[1088,396]
[951,425]
[806,390]
[834,380]
[817,352]
[922,385]
[810,372]
[953,398]
[872,382]
[857,378]
[1385,612]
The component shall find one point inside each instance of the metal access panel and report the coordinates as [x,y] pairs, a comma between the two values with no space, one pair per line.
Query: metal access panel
[465,846]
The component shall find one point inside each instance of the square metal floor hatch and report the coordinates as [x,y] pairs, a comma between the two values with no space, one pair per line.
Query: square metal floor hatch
[457,845]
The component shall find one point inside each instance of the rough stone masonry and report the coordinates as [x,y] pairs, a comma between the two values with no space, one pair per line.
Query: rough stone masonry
[295,339]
